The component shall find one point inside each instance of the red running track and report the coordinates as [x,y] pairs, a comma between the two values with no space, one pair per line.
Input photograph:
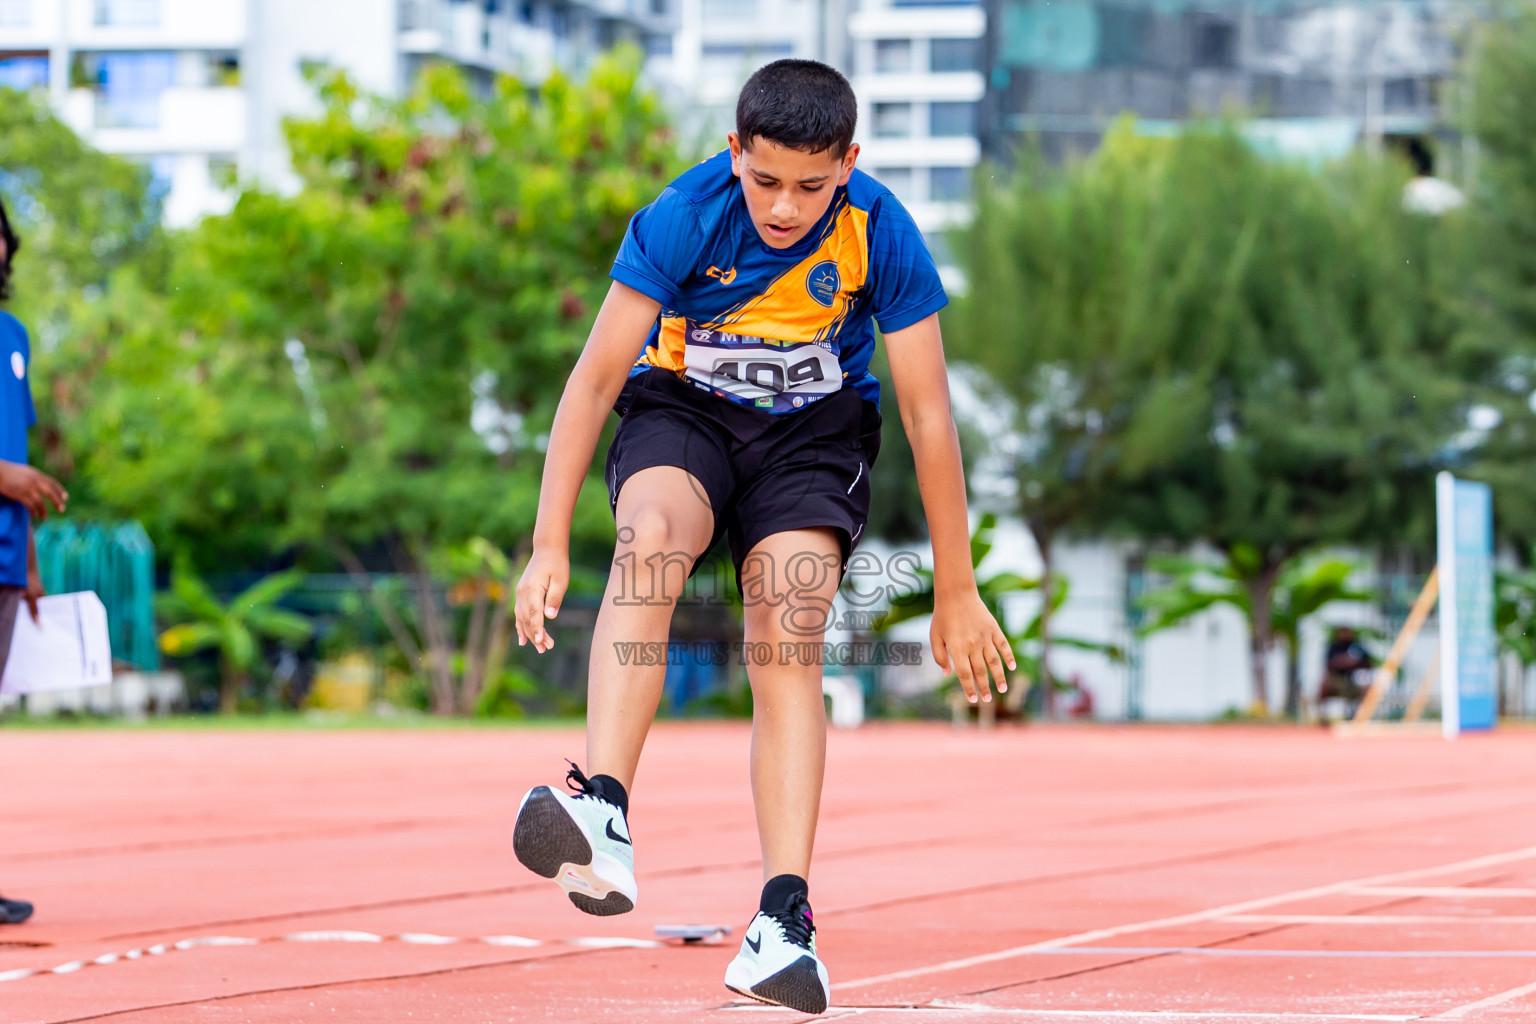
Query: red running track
[1048,874]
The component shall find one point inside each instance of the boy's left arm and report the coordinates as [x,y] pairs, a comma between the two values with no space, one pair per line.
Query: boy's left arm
[966,639]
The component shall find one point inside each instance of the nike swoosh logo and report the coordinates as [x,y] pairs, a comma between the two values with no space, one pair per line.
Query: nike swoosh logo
[757,947]
[615,836]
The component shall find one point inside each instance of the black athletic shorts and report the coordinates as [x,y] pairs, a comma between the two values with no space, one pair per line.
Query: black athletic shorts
[762,473]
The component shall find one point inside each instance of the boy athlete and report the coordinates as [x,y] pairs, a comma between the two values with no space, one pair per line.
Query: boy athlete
[748,288]
[25,493]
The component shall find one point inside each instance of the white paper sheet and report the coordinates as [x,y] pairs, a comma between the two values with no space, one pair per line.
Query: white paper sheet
[68,649]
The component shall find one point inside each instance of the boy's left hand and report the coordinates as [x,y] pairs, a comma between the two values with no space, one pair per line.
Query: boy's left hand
[968,642]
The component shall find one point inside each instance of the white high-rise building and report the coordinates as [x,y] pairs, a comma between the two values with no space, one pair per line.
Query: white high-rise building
[917,73]
[719,43]
[198,88]
[915,66]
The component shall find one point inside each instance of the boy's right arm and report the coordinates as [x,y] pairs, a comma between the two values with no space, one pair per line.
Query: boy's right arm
[617,336]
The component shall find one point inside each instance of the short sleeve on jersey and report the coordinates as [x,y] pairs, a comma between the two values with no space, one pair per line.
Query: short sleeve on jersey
[661,248]
[905,284]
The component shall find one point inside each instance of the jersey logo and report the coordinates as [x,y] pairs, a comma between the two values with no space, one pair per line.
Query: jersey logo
[18,366]
[723,276]
[824,282]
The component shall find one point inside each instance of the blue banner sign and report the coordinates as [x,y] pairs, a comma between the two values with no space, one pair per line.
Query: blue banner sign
[1469,697]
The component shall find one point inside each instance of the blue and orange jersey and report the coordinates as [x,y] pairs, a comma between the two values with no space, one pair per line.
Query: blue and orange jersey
[775,329]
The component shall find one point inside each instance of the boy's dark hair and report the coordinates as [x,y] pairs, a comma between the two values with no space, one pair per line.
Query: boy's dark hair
[12,243]
[800,104]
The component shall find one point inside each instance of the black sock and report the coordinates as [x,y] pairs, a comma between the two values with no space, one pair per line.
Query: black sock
[612,790]
[780,890]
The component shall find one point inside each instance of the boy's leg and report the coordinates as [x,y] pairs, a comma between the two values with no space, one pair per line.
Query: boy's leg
[581,841]
[664,525]
[778,962]
[789,724]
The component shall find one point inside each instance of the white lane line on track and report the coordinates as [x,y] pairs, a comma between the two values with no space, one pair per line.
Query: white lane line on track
[1361,954]
[1484,1004]
[939,1009]
[1447,892]
[408,938]
[1234,1015]
[1333,919]
[1197,917]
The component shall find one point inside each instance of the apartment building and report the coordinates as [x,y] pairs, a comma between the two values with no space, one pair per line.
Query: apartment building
[1313,79]
[916,67]
[719,43]
[197,89]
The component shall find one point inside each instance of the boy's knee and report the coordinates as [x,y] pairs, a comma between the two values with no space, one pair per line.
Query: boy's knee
[790,622]
[650,530]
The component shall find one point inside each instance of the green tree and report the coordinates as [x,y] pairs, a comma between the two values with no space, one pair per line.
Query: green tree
[1515,614]
[85,219]
[234,629]
[1500,247]
[1303,587]
[1260,361]
[368,368]
[1048,256]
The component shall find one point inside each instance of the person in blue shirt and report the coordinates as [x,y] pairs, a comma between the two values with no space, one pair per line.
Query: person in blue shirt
[735,343]
[25,493]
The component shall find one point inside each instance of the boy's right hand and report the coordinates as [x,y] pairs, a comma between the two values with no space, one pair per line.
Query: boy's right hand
[539,593]
[32,488]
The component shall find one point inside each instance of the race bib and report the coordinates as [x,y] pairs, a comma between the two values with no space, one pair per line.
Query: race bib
[776,376]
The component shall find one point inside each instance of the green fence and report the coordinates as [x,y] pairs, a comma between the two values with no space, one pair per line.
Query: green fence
[117,561]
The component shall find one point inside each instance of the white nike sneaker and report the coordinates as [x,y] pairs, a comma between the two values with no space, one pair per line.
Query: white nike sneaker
[778,962]
[582,842]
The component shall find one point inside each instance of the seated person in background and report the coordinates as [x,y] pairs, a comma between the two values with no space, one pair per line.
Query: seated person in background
[1345,660]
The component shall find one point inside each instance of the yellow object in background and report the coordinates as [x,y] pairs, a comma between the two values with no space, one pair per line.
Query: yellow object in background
[342,685]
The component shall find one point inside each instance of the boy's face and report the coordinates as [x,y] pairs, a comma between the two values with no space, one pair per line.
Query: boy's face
[787,190]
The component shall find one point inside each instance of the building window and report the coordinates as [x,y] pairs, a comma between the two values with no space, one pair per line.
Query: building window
[15,13]
[893,56]
[949,184]
[893,120]
[128,85]
[223,70]
[1400,94]
[23,71]
[898,180]
[1215,44]
[938,248]
[951,120]
[128,13]
[729,10]
[954,55]
[742,51]
[658,45]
